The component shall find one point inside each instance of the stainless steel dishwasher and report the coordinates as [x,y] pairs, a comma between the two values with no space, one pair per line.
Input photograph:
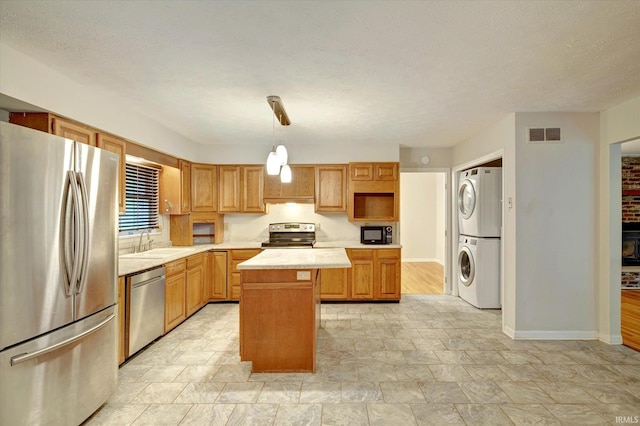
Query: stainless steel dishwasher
[145,308]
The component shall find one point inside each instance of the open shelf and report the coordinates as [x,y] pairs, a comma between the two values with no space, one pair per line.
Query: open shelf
[374,206]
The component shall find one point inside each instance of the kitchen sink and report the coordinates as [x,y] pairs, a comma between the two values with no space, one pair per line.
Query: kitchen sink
[158,253]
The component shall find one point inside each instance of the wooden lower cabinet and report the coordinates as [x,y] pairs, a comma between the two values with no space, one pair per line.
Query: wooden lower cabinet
[216,282]
[121,320]
[175,293]
[386,274]
[361,279]
[334,284]
[630,318]
[195,283]
[279,320]
[374,275]
[236,257]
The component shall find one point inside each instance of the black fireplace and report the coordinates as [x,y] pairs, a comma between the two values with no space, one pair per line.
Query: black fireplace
[631,244]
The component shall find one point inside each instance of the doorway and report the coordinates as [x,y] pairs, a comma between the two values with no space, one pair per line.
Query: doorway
[423,207]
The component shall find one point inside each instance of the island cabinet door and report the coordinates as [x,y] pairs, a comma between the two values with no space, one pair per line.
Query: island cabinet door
[333,284]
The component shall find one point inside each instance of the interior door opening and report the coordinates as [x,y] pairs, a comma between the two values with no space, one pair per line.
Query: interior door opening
[423,213]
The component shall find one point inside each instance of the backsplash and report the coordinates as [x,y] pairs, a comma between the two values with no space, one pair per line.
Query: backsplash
[255,228]
[159,236]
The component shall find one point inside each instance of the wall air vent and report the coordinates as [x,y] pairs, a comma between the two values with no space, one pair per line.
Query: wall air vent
[544,135]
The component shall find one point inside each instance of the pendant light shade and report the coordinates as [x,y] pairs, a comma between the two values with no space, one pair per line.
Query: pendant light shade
[281,150]
[285,174]
[273,163]
[278,157]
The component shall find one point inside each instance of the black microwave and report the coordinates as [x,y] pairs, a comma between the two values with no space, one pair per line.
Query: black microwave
[376,235]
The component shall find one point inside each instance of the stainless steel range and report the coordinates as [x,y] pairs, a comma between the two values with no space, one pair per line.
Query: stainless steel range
[291,235]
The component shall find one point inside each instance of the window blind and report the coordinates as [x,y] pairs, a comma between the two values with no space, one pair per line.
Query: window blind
[142,195]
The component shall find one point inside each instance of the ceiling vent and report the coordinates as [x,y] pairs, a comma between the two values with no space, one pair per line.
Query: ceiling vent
[544,135]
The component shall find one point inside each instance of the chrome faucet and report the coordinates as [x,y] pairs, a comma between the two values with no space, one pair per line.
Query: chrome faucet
[149,240]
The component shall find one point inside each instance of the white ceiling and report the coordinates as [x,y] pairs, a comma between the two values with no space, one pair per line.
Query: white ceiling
[415,73]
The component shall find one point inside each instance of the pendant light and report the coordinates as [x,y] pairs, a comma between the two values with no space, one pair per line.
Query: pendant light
[285,174]
[278,157]
[273,161]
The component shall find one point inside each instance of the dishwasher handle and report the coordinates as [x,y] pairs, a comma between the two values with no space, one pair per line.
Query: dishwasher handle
[147,282]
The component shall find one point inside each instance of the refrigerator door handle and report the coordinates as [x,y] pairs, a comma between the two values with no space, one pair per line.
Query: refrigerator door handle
[84,234]
[71,232]
[18,359]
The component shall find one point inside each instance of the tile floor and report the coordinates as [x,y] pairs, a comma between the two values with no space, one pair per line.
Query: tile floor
[430,359]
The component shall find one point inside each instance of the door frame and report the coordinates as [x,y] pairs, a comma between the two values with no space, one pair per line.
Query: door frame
[448,287]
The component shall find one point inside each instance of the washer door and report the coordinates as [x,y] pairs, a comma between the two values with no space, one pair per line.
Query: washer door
[466,266]
[466,199]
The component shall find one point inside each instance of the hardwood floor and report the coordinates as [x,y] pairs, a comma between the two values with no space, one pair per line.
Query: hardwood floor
[422,278]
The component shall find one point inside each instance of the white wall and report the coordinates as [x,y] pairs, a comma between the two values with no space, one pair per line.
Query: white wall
[33,82]
[494,142]
[556,187]
[298,153]
[439,158]
[422,217]
[617,124]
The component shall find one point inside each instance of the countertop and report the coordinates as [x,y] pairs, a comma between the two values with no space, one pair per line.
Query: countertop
[316,258]
[132,265]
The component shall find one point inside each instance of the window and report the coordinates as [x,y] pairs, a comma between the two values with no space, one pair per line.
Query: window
[142,184]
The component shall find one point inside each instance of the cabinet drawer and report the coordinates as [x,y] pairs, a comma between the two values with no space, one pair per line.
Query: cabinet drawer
[195,260]
[388,254]
[174,268]
[361,254]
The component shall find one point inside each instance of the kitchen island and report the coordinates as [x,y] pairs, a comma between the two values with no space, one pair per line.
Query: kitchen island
[280,307]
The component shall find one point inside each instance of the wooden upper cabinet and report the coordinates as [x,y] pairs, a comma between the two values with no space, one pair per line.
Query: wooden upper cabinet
[240,189]
[175,189]
[331,188]
[54,125]
[185,186]
[119,146]
[361,171]
[229,189]
[252,189]
[301,188]
[385,171]
[374,192]
[204,188]
[373,171]
[70,130]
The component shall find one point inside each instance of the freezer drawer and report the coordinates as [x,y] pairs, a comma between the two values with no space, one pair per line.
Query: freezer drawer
[60,378]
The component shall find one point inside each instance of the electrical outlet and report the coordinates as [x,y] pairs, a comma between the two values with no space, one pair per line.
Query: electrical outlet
[318,226]
[226,226]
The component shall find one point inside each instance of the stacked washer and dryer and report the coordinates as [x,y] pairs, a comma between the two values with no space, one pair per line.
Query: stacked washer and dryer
[480,220]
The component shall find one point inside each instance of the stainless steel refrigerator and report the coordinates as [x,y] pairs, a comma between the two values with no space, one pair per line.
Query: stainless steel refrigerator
[58,278]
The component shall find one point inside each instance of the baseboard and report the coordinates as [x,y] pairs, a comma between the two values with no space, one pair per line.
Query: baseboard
[611,340]
[551,335]
[421,260]
[508,331]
